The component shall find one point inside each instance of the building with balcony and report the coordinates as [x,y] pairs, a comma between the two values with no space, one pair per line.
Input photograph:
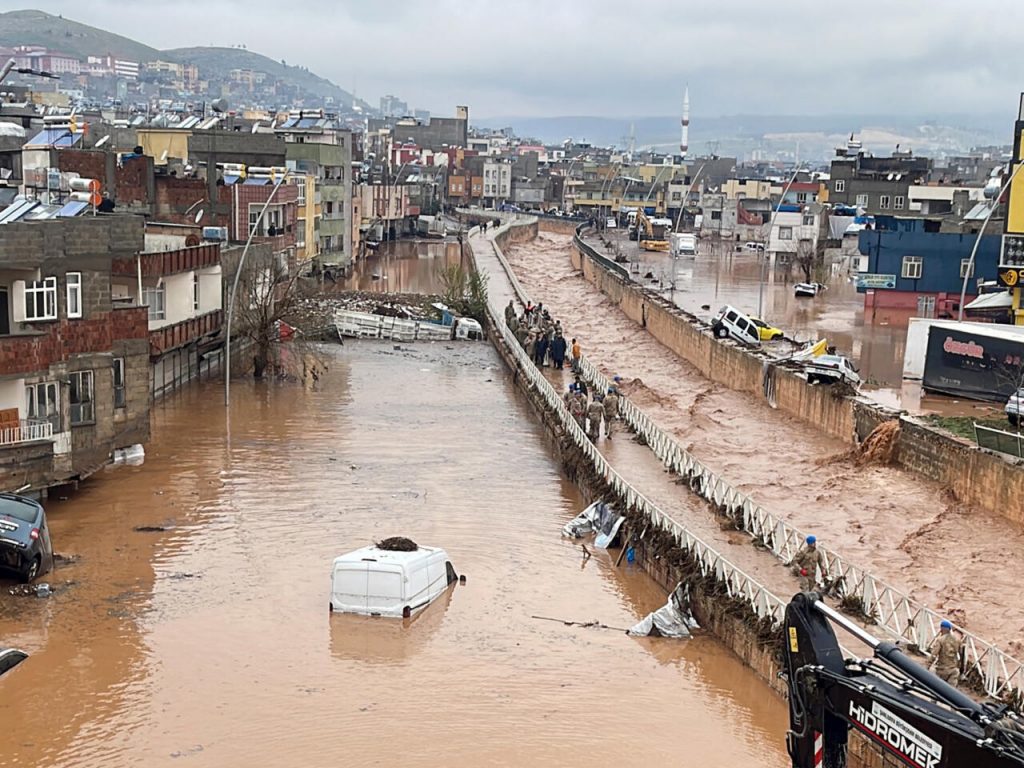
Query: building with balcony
[74,366]
[182,292]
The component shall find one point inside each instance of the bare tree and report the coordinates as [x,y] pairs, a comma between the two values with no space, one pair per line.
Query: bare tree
[267,294]
[810,257]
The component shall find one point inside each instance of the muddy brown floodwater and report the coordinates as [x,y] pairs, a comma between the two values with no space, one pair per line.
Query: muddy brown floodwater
[405,266]
[901,528]
[209,642]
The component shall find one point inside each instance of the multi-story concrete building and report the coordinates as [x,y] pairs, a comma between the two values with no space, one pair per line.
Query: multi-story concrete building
[316,147]
[878,185]
[74,365]
[497,180]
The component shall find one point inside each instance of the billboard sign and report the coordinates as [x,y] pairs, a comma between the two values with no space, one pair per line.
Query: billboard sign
[973,365]
[876,281]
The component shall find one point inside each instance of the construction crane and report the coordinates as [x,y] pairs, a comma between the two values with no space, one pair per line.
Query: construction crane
[910,713]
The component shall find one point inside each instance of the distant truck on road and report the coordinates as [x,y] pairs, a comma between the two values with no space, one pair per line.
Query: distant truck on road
[683,245]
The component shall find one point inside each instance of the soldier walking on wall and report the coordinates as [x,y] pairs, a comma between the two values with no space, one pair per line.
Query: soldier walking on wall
[611,411]
[595,412]
[945,651]
[805,563]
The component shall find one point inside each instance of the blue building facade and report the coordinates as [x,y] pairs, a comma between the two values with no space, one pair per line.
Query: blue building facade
[928,265]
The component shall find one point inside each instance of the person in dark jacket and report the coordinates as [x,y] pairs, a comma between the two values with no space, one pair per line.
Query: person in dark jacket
[541,350]
[558,347]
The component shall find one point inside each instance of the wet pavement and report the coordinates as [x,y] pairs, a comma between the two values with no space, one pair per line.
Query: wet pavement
[903,529]
[196,629]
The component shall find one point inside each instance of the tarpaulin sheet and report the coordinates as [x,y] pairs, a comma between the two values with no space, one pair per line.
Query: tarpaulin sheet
[598,518]
[671,620]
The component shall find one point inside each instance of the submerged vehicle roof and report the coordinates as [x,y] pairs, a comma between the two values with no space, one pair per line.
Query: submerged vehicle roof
[374,554]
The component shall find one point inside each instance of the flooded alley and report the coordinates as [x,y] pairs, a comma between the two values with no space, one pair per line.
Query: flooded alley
[192,627]
[405,266]
[901,528]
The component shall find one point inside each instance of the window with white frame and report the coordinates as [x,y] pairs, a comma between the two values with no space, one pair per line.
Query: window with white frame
[42,403]
[964,264]
[862,201]
[300,183]
[40,300]
[254,220]
[840,185]
[74,285]
[913,266]
[898,202]
[80,398]
[883,201]
[195,291]
[785,233]
[808,220]
[154,298]
[801,197]
[120,391]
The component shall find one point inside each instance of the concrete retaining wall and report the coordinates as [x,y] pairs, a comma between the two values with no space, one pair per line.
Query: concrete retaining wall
[979,478]
[731,622]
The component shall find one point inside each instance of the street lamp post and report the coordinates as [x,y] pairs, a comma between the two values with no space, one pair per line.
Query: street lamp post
[234,289]
[771,224]
[977,240]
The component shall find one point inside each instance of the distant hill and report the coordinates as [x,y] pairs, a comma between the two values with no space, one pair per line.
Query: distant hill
[32,27]
[225,59]
[66,36]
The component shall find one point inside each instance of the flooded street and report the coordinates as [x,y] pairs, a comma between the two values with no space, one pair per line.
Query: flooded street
[404,266]
[901,528]
[195,630]
[721,275]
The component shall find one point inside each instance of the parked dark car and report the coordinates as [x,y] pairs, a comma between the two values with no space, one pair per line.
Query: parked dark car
[25,546]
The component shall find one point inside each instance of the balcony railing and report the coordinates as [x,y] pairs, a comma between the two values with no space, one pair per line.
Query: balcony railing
[27,431]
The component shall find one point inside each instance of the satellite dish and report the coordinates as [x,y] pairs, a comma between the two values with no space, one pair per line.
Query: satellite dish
[101,142]
[219,105]
[199,215]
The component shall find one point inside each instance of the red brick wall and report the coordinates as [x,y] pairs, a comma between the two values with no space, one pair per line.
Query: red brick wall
[244,195]
[131,180]
[64,338]
[182,333]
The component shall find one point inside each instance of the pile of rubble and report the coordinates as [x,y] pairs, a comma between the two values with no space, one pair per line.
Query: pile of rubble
[314,315]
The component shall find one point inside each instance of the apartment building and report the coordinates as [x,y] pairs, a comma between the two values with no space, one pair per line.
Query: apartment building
[74,366]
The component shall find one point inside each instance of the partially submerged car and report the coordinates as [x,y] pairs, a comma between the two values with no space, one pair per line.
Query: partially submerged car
[10,658]
[383,581]
[828,369]
[766,331]
[1013,406]
[25,547]
[731,323]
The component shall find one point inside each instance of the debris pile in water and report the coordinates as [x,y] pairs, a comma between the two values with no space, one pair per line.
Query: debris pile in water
[398,544]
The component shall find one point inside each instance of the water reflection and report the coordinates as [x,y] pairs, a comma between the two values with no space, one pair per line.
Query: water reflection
[405,266]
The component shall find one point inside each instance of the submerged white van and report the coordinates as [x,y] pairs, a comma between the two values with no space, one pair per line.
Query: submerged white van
[382,582]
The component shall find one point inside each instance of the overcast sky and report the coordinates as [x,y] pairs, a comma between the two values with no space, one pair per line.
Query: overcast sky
[614,58]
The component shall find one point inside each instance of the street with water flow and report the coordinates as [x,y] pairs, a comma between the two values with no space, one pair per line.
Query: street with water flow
[192,627]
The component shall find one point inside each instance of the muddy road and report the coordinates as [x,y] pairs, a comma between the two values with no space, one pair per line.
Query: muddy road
[196,632]
[903,529]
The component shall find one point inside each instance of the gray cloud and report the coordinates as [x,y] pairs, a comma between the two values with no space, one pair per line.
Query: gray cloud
[605,57]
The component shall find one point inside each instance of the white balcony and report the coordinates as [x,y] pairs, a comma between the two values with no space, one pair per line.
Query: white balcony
[27,431]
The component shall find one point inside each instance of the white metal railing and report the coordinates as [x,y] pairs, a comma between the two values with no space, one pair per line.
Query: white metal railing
[27,431]
[892,609]
[710,562]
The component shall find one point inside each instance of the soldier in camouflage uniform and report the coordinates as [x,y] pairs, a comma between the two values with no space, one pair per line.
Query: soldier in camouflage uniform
[945,651]
[806,561]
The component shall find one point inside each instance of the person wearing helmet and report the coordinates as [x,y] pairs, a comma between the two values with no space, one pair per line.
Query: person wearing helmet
[611,411]
[945,653]
[567,397]
[578,406]
[806,563]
